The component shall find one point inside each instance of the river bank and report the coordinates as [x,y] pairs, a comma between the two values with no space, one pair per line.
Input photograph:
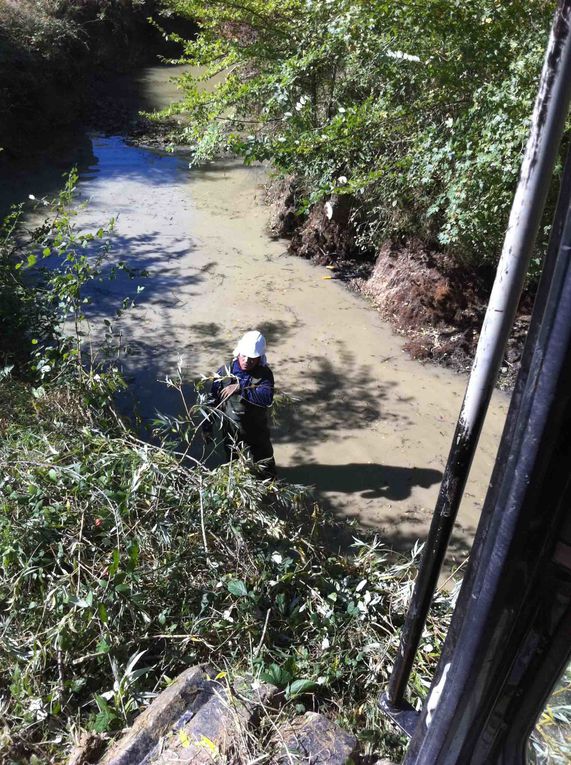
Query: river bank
[58,62]
[436,302]
[369,428]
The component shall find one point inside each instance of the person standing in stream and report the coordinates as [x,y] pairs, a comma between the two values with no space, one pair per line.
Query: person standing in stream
[244,392]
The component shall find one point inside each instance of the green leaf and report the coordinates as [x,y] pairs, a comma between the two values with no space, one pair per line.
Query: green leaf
[81,602]
[114,565]
[237,587]
[104,717]
[276,675]
[298,687]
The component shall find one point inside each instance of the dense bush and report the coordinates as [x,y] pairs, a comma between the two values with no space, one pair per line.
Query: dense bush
[418,109]
[121,567]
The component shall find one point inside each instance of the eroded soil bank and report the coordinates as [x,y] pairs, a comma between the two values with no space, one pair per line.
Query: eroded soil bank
[432,299]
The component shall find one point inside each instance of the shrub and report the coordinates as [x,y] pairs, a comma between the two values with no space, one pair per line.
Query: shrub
[419,109]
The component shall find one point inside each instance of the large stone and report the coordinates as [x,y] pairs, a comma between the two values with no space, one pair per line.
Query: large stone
[218,728]
[197,720]
[313,739]
[187,693]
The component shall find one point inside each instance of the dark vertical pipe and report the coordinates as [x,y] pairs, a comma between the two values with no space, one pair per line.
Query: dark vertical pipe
[509,636]
[548,121]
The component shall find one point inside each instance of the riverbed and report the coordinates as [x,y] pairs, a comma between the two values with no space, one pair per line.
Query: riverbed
[368,427]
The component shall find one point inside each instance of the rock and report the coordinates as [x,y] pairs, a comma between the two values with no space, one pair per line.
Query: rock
[314,739]
[215,729]
[188,692]
[195,720]
[88,749]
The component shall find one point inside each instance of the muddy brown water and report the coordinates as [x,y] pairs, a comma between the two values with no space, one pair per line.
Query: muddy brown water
[370,429]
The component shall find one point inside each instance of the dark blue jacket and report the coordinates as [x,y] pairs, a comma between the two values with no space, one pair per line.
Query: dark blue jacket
[256,386]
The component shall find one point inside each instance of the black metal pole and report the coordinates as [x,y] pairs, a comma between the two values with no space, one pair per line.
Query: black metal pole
[509,638]
[548,121]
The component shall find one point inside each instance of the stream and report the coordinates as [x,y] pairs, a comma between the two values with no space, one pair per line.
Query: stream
[369,427]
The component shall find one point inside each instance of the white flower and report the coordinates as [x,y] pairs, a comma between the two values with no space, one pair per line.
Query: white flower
[342,180]
[325,644]
[401,55]
[276,557]
[31,196]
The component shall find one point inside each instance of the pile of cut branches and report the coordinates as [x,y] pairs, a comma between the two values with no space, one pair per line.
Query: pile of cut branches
[121,567]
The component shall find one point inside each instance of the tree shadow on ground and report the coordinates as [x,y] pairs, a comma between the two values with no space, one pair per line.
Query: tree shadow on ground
[370,481]
[332,399]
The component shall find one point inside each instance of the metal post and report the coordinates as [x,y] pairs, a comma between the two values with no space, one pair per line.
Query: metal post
[508,642]
[548,121]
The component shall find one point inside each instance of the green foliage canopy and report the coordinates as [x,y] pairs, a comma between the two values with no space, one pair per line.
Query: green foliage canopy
[420,108]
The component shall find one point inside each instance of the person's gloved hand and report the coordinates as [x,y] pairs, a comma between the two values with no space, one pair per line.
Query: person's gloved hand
[229,390]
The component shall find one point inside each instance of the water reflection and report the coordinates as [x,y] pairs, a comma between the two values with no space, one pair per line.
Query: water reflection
[112,158]
[42,170]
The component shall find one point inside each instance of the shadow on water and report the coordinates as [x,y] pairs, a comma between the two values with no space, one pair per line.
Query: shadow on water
[392,483]
[149,361]
[343,401]
[43,174]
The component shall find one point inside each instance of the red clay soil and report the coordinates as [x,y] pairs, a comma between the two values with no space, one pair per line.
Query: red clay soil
[438,305]
[427,297]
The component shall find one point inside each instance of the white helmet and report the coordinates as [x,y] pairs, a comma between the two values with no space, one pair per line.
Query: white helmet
[252,345]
